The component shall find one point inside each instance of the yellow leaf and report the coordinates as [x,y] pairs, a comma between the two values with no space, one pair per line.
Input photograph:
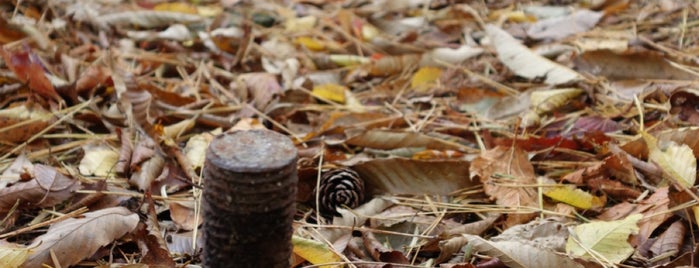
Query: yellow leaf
[369,32]
[175,130]
[13,255]
[676,160]
[514,16]
[310,43]
[695,209]
[209,11]
[607,239]
[301,24]
[333,92]
[176,7]
[314,252]
[574,197]
[425,77]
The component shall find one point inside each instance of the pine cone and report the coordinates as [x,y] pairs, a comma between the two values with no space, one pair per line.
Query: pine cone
[339,188]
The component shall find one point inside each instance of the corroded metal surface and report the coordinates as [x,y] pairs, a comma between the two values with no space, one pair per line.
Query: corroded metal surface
[249,199]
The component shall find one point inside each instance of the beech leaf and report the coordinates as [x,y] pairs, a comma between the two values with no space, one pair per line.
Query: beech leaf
[604,238]
[48,188]
[75,239]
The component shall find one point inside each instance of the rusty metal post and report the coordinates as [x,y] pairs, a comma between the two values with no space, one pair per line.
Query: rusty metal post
[249,199]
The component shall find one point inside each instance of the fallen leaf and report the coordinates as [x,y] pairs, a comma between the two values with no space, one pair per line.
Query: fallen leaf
[48,187]
[575,197]
[99,160]
[333,92]
[75,239]
[677,160]
[314,252]
[508,178]
[525,63]
[13,255]
[517,254]
[607,239]
[408,176]
[561,27]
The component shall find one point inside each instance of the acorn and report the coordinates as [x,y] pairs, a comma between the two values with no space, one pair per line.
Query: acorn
[339,188]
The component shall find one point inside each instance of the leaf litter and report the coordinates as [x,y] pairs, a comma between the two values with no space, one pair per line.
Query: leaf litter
[487,133]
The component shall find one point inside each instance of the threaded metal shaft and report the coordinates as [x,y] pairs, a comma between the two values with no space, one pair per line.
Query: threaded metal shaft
[249,199]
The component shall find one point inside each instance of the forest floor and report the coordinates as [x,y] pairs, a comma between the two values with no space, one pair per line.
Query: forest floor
[464,133]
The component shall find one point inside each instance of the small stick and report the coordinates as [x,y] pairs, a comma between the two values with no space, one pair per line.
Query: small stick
[49,222]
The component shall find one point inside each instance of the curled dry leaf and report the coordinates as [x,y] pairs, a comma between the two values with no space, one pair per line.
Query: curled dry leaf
[195,149]
[48,188]
[147,173]
[684,103]
[545,101]
[182,213]
[525,63]
[75,239]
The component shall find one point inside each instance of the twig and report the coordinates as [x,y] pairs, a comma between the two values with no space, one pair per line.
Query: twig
[49,222]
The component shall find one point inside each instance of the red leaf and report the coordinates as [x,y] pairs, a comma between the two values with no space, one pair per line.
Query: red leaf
[27,68]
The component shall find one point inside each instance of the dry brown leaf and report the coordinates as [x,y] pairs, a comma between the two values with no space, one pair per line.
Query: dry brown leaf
[669,242]
[18,124]
[150,240]
[391,139]
[656,210]
[75,239]
[380,252]
[48,188]
[518,254]
[182,213]
[630,65]
[561,27]
[263,87]
[20,167]
[508,178]
[408,176]
[147,172]
[683,105]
